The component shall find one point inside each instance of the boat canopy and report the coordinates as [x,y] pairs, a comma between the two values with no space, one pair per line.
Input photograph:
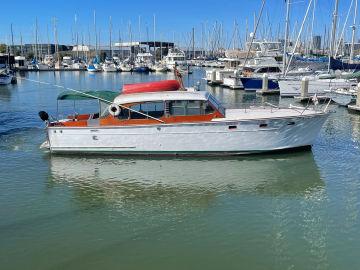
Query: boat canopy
[71,95]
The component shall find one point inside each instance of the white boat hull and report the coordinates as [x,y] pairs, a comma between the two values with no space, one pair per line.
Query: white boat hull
[233,83]
[109,68]
[210,138]
[291,88]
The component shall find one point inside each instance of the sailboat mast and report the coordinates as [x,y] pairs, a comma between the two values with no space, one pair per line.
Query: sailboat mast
[21,45]
[95,31]
[77,36]
[286,34]
[193,42]
[333,32]
[48,40]
[353,33]
[110,30]
[154,36]
[12,40]
[36,39]
[312,25]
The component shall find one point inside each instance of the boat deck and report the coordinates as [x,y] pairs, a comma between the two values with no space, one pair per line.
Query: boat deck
[265,113]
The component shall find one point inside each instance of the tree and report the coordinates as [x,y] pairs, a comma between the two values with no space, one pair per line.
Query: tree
[2,48]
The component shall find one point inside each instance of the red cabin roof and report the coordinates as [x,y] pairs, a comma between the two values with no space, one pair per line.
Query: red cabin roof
[158,86]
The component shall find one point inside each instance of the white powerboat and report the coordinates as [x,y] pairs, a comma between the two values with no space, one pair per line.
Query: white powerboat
[162,118]
[67,62]
[175,57]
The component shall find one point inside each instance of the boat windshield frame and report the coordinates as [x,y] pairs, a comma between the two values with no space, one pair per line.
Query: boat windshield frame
[216,104]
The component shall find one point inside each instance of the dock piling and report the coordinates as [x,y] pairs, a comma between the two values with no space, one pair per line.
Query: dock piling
[356,107]
[265,83]
[304,87]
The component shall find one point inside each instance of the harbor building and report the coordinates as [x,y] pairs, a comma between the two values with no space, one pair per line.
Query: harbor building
[32,49]
[347,48]
[160,48]
[316,43]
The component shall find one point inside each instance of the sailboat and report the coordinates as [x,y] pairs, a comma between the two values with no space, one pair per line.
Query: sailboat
[94,66]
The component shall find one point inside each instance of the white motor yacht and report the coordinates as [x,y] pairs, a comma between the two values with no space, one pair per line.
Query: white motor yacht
[163,118]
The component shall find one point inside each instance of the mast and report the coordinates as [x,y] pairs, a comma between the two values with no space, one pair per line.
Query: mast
[246,30]
[48,40]
[154,24]
[353,33]
[193,42]
[21,45]
[36,39]
[110,29]
[333,33]
[130,36]
[160,47]
[56,41]
[202,41]
[95,31]
[286,34]
[12,40]
[312,26]
[77,36]
[254,33]
[121,48]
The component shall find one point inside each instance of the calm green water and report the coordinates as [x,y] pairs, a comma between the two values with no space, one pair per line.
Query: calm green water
[284,211]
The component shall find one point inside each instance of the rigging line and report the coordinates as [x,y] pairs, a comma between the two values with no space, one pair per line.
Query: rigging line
[343,30]
[94,97]
[298,37]
[253,37]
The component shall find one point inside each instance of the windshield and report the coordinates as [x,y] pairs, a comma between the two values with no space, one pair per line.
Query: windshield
[217,104]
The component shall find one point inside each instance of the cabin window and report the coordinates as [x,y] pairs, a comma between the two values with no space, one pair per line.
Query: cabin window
[178,107]
[193,107]
[274,69]
[190,107]
[124,114]
[153,109]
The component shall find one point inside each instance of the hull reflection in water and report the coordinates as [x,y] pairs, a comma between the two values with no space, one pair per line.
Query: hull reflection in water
[196,180]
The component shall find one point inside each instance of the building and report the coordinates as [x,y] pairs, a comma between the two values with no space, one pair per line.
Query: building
[160,47]
[29,50]
[316,43]
[347,48]
[6,60]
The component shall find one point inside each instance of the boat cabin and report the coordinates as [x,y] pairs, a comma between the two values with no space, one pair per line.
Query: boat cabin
[144,108]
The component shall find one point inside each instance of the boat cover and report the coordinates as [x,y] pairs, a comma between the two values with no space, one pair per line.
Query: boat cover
[157,86]
[71,95]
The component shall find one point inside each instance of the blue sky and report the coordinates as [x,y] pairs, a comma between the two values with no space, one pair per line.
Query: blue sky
[173,18]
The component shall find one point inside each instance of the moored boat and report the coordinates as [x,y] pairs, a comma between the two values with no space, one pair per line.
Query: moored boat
[7,77]
[255,83]
[169,121]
